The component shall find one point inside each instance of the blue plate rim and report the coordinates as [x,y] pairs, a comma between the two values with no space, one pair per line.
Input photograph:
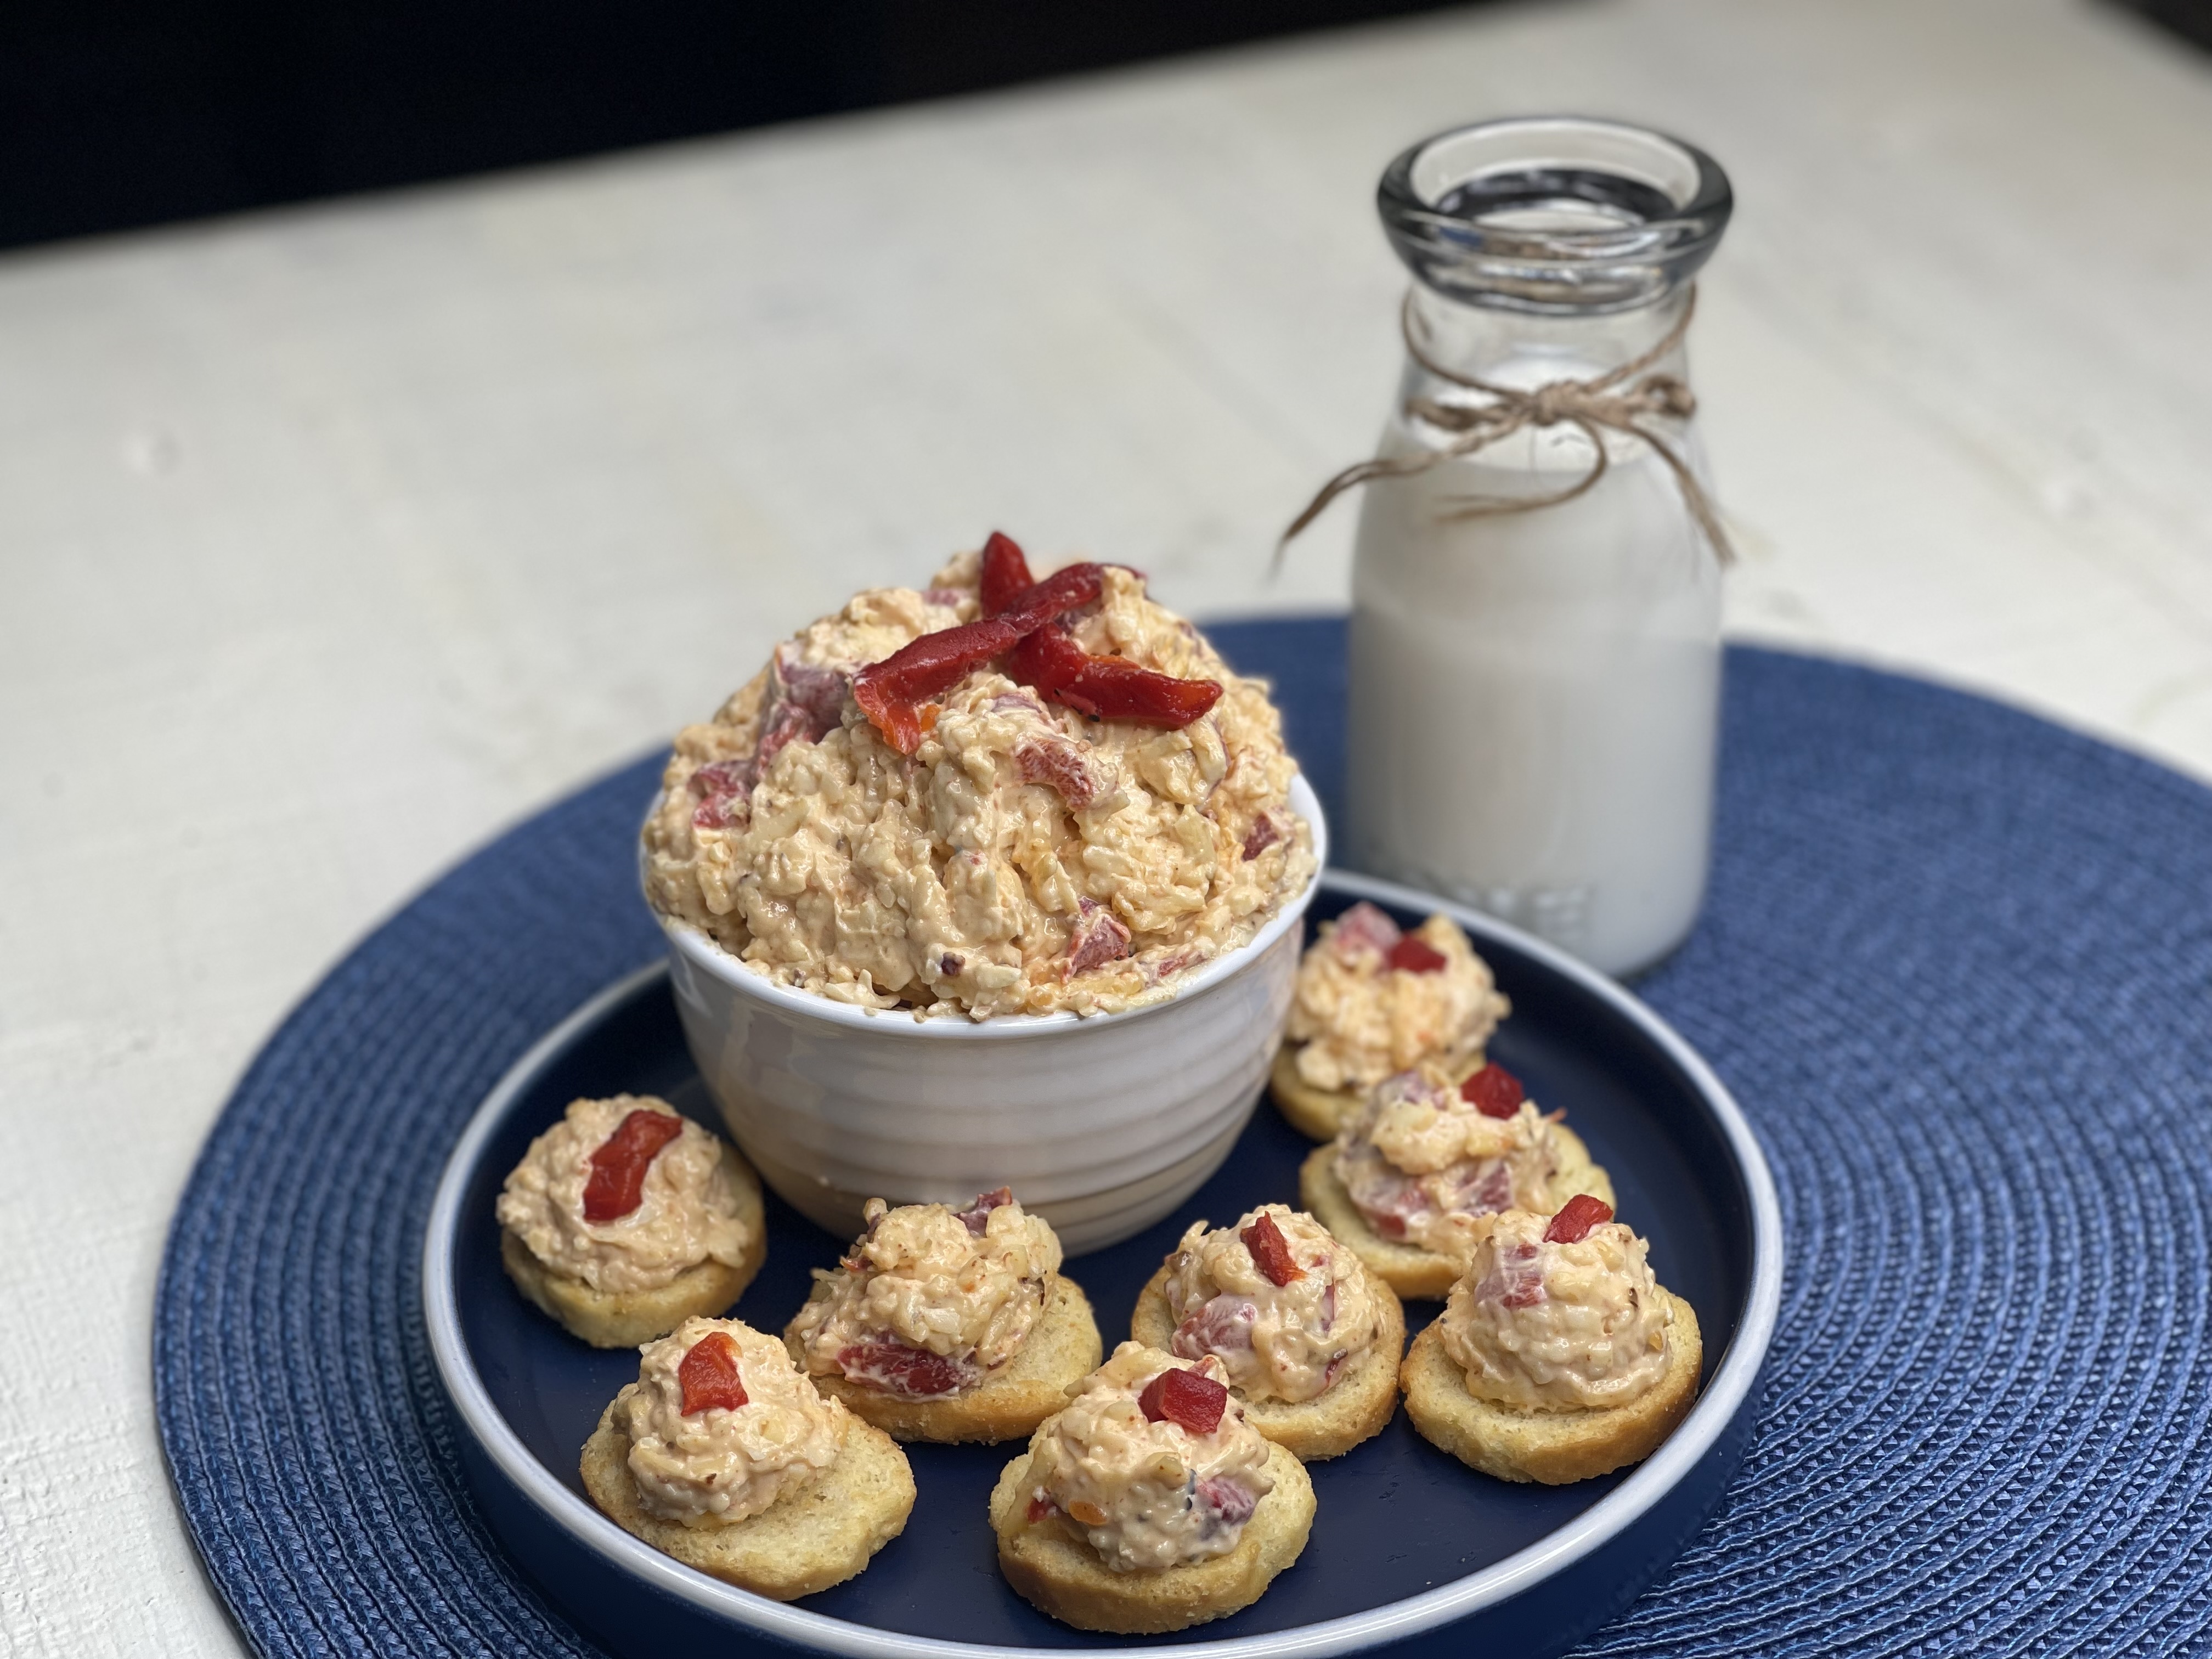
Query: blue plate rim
[1727,1393]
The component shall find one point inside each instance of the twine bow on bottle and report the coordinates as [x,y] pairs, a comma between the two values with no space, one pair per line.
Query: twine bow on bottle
[1618,401]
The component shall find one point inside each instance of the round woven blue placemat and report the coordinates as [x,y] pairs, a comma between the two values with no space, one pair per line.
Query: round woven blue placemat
[1956,964]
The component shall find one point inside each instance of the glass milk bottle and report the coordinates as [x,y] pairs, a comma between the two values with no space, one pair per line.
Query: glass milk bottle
[1535,688]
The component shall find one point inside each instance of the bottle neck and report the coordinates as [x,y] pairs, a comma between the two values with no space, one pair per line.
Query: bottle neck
[1526,348]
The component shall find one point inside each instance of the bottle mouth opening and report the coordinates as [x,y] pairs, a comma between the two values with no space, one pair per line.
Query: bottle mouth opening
[1554,213]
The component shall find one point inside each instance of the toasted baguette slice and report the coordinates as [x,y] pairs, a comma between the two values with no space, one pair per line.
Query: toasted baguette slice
[626,1319]
[1322,1114]
[1357,1406]
[1414,1272]
[1553,1448]
[1059,1574]
[1316,1113]
[1062,1347]
[808,1540]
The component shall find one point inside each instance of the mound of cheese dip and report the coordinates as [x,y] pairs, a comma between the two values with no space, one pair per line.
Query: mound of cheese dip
[926,1283]
[686,1213]
[1421,1159]
[1372,1001]
[1283,1313]
[713,1466]
[1558,1326]
[1147,1494]
[1025,859]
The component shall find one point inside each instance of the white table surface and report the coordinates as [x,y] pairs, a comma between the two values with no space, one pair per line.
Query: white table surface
[331,541]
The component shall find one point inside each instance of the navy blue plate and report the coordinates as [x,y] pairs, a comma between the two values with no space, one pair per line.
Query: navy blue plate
[1406,1541]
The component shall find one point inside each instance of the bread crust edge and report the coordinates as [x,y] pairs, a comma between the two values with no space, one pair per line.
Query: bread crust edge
[1062,1578]
[823,1534]
[1552,1448]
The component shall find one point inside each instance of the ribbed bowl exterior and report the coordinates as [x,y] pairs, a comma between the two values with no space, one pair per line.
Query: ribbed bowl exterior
[1100,1125]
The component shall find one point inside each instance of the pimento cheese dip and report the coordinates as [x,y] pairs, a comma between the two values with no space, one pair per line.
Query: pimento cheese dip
[1147,1494]
[1558,1326]
[1421,1159]
[1282,1307]
[1024,859]
[930,1300]
[686,1211]
[714,1466]
[1371,1000]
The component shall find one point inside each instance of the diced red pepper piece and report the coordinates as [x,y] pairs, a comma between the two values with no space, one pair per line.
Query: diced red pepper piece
[709,1375]
[1414,955]
[1362,928]
[1006,573]
[1231,1500]
[1098,937]
[1493,1091]
[910,1373]
[720,811]
[1222,1325]
[1484,1188]
[1271,1251]
[1264,833]
[1056,762]
[976,1218]
[617,1183]
[1518,1283]
[1040,1507]
[1576,1217]
[1189,1399]
[725,777]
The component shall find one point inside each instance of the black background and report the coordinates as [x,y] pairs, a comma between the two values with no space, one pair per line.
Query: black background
[116,114]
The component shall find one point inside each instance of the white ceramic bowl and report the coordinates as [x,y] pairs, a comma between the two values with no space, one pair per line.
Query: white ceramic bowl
[1102,1124]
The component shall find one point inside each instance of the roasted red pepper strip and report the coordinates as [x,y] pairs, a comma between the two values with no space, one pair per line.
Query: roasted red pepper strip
[890,692]
[1493,1091]
[617,1183]
[1107,688]
[1043,656]
[1415,955]
[709,1375]
[1114,689]
[921,668]
[1271,1251]
[1047,601]
[1189,1398]
[1576,1217]
[1006,573]
[1046,660]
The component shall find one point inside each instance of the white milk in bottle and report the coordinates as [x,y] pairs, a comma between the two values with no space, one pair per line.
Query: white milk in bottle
[1534,694]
